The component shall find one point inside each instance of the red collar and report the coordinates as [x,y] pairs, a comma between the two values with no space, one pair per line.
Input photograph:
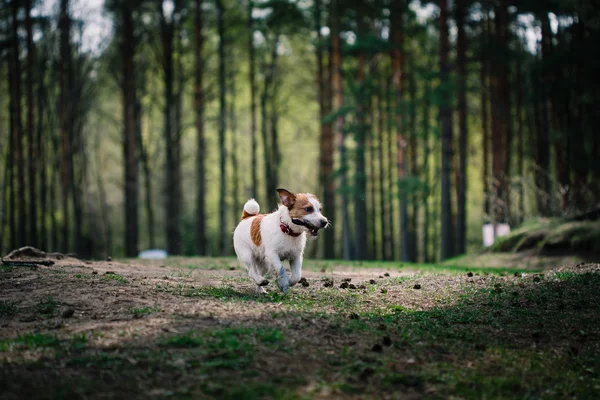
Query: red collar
[286,229]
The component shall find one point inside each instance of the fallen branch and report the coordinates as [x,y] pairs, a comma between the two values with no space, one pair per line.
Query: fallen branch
[27,263]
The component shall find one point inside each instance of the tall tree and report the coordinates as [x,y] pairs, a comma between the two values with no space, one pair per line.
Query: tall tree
[326,142]
[128,87]
[172,142]
[18,126]
[200,145]
[381,144]
[461,72]
[64,117]
[360,189]
[31,139]
[252,80]
[336,60]
[485,129]
[268,124]
[445,116]
[235,172]
[222,125]
[397,36]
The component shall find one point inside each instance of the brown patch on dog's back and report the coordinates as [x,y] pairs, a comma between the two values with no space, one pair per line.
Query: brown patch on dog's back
[255,229]
[302,201]
[246,215]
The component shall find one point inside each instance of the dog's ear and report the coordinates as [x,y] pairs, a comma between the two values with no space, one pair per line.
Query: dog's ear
[288,198]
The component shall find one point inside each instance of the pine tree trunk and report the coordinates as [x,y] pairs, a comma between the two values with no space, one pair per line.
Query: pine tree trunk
[172,231]
[484,87]
[326,143]
[200,144]
[385,234]
[447,236]
[461,70]
[542,149]
[129,134]
[425,169]
[397,60]
[274,125]
[42,159]
[251,78]
[234,136]
[392,178]
[336,56]
[63,115]
[372,187]
[55,180]
[32,150]
[10,160]
[270,147]
[223,228]
[504,94]
[145,161]
[414,168]
[519,115]
[580,158]
[360,205]
[106,225]
[18,130]
[558,135]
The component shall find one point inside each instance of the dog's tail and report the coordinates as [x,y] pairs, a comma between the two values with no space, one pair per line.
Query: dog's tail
[251,208]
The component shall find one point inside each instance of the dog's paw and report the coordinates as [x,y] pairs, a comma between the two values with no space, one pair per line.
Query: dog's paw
[293,282]
[283,283]
[261,290]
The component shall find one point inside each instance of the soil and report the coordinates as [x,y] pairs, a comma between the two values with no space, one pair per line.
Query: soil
[125,309]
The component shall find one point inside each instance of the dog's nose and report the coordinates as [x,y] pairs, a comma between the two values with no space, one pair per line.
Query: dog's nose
[323,223]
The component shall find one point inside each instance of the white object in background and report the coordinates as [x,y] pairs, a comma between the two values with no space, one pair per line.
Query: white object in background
[488,233]
[153,254]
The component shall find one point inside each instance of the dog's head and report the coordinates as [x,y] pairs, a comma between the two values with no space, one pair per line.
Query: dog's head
[305,210]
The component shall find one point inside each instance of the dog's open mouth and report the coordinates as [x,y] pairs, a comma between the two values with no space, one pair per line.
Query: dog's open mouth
[313,230]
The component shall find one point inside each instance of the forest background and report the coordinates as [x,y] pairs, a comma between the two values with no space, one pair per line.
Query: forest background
[127,125]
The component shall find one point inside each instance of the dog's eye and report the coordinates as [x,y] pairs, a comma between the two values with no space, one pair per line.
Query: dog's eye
[308,209]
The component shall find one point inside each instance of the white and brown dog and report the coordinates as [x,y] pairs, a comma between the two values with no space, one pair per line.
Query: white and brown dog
[263,241]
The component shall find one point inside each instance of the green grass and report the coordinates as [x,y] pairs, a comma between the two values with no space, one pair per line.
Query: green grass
[6,268]
[143,311]
[29,341]
[117,278]
[39,340]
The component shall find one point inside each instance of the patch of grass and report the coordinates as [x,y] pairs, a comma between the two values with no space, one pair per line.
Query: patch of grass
[142,311]
[40,340]
[8,308]
[6,268]
[182,274]
[29,341]
[47,306]
[116,277]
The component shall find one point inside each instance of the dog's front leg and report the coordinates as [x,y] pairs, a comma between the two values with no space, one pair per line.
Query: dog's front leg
[282,278]
[296,267]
